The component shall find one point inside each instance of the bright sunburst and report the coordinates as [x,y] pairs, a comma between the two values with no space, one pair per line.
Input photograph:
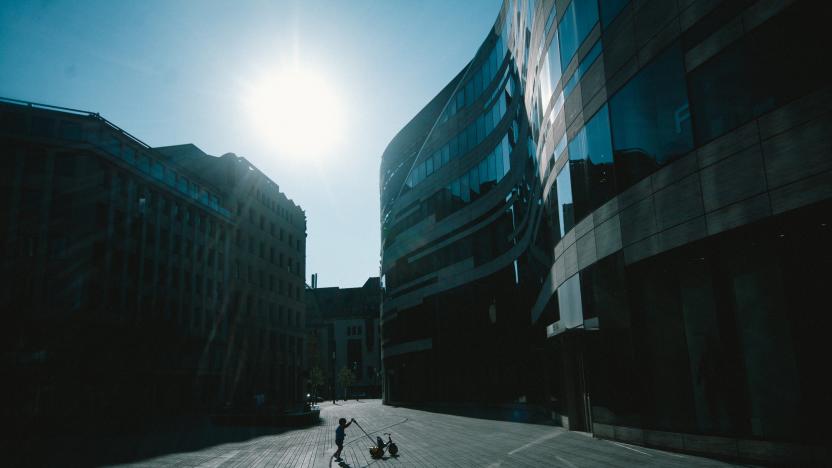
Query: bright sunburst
[296,112]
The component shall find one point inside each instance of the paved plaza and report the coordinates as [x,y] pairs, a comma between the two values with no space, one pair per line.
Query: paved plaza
[424,439]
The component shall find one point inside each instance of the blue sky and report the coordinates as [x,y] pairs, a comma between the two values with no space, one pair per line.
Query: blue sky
[174,72]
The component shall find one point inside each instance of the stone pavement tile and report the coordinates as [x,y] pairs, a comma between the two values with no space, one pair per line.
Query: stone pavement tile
[427,439]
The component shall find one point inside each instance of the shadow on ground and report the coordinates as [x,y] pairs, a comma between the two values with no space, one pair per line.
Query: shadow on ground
[513,413]
[87,448]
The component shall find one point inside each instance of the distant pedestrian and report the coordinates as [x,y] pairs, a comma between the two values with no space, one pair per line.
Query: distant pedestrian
[340,435]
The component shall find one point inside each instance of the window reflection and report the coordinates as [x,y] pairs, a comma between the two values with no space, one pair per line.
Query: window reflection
[578,20]
[650,119]
[475,182]
[463,142]
[550,20]
[766,68]
[483,177]
[550,73]
[583,67]
[610,10]
[566,212]
[591,165]
[478,80]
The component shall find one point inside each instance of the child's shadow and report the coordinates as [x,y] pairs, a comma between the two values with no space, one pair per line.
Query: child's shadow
[344,464]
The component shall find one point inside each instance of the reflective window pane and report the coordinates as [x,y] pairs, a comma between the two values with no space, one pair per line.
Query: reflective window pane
[506,155]
[498,162]
[550,73]
[610,10]
[577,22]
[483,170]
[566,213]
[464,189]
[770,66]
[650,119]
[474,180]
[591,165]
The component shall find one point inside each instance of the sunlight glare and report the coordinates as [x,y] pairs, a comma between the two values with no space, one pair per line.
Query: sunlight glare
[296,112]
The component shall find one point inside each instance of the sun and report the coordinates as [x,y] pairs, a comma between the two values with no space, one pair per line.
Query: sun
[296,112]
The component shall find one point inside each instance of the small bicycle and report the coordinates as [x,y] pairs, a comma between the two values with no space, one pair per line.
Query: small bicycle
[392,448]
[377,451]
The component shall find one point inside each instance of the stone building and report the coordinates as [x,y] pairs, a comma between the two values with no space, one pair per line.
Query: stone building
[343,324]
[142,281]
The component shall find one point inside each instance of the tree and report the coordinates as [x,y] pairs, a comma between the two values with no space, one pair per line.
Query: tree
[346,378]
[316,379]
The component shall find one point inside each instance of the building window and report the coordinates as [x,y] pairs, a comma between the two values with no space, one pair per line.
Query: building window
[578,20]
[610,10]
[765,69]
[591,165]
[566,209]
[550,73]
[650,119]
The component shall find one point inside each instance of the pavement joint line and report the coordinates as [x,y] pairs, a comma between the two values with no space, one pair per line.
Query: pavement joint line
[629,448]
[566,462]
[667,452]
[537,441]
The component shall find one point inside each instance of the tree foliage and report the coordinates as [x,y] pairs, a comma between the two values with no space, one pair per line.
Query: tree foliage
[316,378]
[346,377]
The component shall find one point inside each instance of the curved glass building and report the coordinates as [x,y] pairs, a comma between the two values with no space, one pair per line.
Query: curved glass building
[618,214]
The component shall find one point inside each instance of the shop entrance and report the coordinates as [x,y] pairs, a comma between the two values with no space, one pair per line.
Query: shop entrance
[572,351]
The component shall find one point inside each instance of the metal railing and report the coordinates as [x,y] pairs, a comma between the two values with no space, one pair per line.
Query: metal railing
[94,115]
[111,126]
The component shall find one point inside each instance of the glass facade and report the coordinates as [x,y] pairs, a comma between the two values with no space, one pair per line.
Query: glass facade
[761,71]
[577,22]
[565,204]
[694,338]
[480,77]
[583,67]
[591,165]
[549,74]
[610,9]
[464,141]
[651,119]
[677,299]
